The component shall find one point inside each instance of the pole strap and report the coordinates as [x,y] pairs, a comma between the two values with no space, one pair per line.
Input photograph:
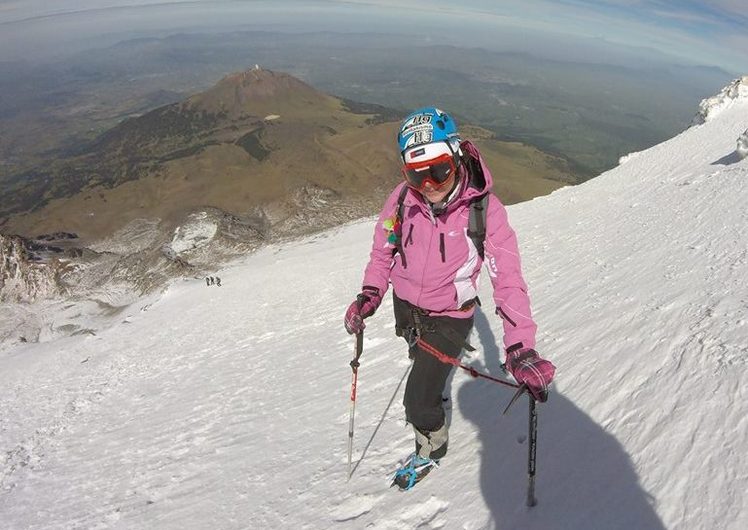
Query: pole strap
[443,357]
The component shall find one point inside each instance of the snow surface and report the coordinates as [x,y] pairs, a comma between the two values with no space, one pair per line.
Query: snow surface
[227,407]
[198,230]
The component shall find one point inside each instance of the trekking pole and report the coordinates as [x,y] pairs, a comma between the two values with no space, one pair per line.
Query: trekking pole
[532,450]
[354,382]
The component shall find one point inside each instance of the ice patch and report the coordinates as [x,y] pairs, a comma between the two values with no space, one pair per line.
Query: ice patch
[195,233]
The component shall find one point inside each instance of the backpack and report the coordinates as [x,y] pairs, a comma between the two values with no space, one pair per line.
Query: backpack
[476,222]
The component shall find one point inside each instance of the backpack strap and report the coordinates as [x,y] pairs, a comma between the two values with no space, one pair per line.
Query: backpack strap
[477,223]
[400,217]
[401,203]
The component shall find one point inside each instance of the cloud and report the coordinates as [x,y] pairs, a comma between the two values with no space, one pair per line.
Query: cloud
[707,31]
[735,7]
[30,9]
[684,16]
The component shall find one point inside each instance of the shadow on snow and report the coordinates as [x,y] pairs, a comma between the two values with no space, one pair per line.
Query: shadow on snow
[732,158]
[585,479]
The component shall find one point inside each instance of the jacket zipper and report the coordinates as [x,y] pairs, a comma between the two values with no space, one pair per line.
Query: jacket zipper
[423,271]
[441,247]
[409,239]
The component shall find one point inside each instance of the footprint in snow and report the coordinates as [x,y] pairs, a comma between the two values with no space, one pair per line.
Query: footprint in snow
[422,515]
[354,507]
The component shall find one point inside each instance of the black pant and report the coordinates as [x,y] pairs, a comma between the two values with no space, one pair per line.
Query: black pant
[425,387]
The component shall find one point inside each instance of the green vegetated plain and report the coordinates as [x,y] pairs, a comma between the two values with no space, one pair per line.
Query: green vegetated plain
[584,115]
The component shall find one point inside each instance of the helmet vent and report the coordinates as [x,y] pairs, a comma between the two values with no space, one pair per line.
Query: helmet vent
[425,126]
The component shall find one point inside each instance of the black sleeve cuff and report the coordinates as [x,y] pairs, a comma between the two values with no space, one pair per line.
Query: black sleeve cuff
[514,347]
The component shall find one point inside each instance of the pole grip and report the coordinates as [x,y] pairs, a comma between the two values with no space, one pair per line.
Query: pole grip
[360,299]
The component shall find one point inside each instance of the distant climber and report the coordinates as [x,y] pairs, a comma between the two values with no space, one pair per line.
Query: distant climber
[218,281]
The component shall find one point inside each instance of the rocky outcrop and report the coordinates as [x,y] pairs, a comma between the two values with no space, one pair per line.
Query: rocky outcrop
[21,278]
[710,107]
[742,148]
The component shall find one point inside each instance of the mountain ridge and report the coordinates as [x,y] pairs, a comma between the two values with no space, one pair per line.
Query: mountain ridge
[247,142]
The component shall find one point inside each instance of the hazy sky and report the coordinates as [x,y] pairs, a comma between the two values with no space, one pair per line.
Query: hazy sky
[712,33]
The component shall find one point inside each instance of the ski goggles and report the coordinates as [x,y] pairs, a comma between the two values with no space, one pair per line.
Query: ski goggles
[437,172]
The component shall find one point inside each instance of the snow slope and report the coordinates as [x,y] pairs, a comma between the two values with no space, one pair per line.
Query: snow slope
[227,407]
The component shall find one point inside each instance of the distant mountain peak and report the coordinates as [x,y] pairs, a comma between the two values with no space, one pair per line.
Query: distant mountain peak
[710,107]
[251,91]
[258,82]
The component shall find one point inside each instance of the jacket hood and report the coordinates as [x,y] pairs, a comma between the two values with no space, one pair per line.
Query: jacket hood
[479,180]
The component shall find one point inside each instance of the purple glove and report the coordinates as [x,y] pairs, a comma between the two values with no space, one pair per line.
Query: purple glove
[529,368]
[363,307]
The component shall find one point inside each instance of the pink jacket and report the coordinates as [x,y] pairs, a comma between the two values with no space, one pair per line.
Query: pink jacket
[442,264]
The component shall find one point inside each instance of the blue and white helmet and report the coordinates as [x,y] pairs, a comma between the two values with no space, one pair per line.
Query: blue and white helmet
[426,126]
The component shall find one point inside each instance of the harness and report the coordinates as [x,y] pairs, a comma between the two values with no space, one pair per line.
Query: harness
[420,323]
